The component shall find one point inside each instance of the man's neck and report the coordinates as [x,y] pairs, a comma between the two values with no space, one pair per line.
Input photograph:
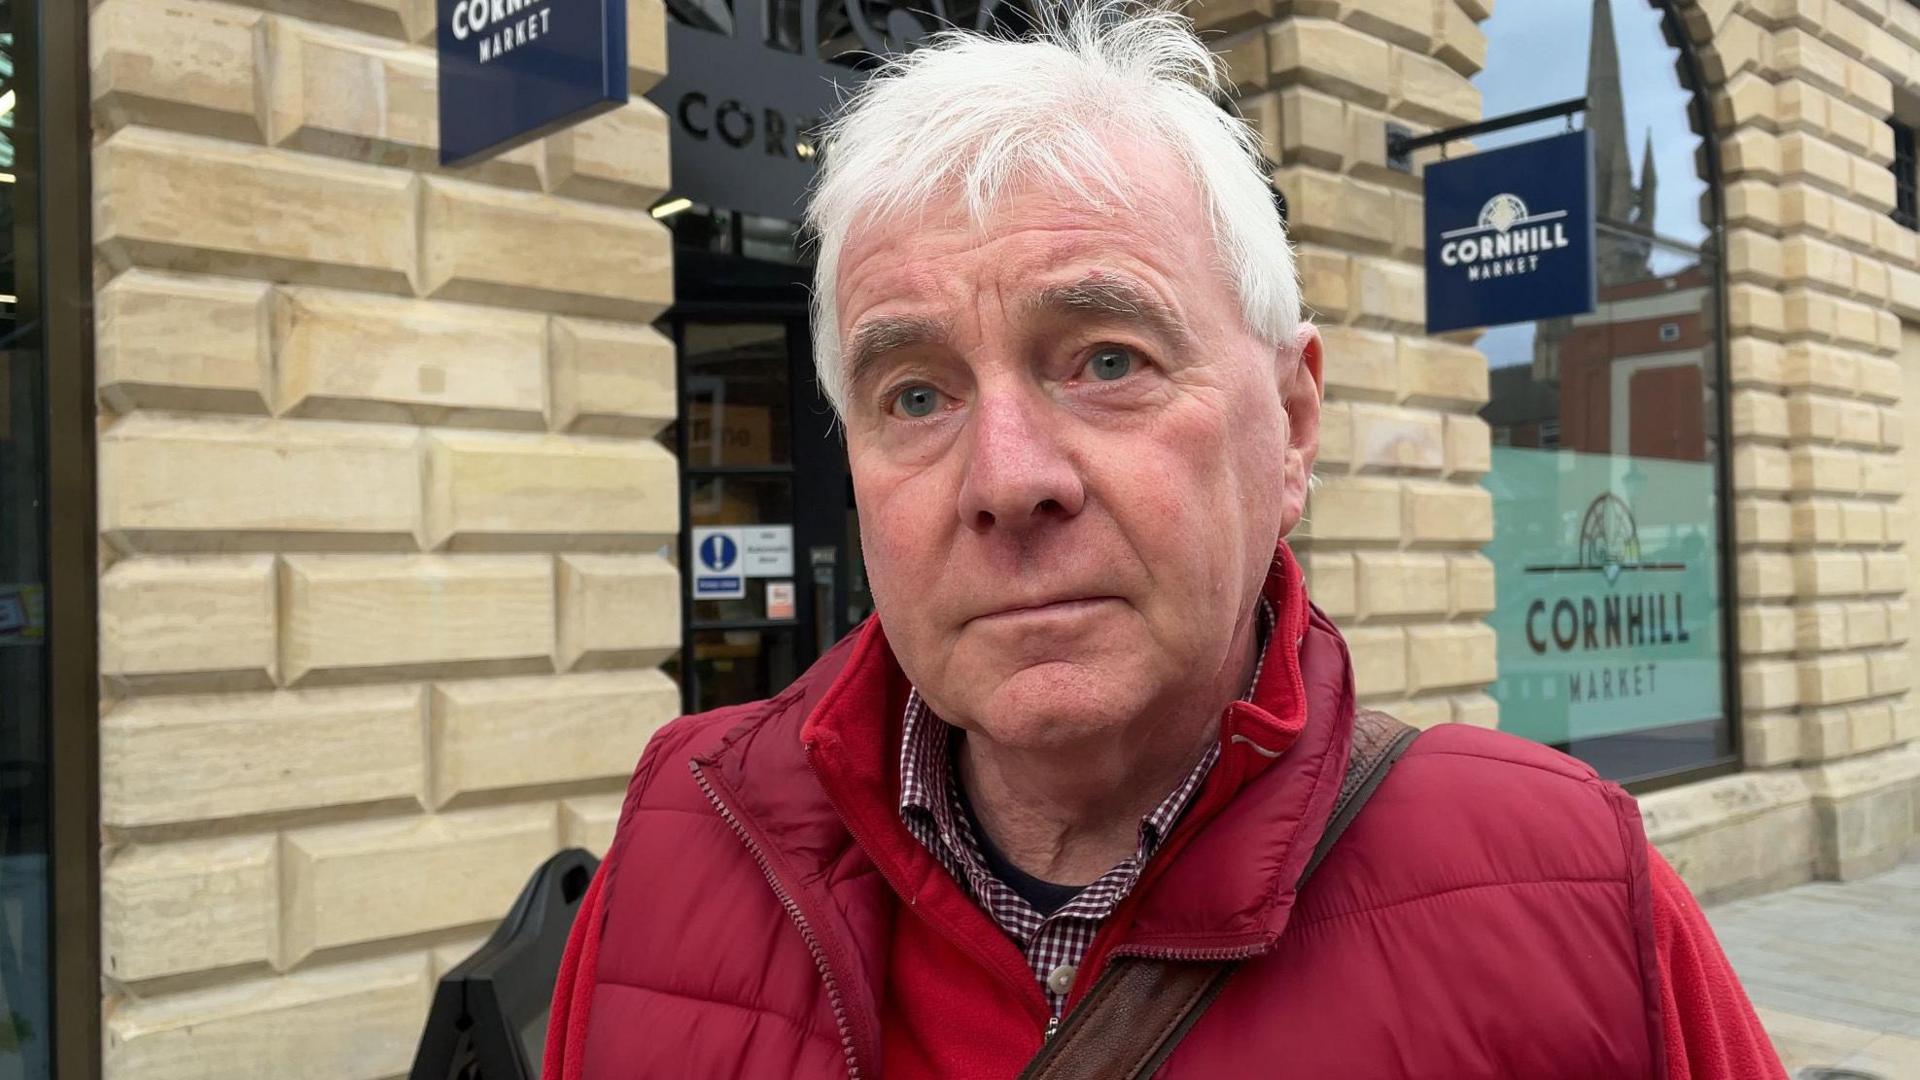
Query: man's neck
[1068,815]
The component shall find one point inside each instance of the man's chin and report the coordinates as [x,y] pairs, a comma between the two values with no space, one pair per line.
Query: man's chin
[1056,705]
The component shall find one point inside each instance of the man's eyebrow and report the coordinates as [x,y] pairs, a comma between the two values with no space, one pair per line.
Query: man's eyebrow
[1115,297]
[873,338]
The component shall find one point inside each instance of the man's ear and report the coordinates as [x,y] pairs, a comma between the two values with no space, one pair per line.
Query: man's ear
[1301,384]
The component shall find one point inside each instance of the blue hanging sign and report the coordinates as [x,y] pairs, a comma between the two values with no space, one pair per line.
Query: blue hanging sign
[1510,234]
[514,70]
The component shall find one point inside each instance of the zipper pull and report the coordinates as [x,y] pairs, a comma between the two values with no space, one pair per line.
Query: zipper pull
[1053,1025]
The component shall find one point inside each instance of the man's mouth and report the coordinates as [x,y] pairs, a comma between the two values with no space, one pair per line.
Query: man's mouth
[1065,607]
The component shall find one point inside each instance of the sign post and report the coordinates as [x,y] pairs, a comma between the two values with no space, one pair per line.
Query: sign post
[1510,234]
[514,70]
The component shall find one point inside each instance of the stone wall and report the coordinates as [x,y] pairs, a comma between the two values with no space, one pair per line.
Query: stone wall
[1820,278]
[1392,537]
[381,517]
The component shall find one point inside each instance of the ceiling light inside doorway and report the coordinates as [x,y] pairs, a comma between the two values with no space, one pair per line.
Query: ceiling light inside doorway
[671,207]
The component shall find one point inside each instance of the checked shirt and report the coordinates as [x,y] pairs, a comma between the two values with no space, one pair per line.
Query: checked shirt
[930,805]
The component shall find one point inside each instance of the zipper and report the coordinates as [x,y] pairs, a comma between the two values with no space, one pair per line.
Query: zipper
[840,1018]
[1053,1025]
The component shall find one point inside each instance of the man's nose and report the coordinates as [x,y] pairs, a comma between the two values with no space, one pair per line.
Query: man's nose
[1017,472]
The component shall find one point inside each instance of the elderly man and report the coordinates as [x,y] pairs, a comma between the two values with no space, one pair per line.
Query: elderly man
[1085,798]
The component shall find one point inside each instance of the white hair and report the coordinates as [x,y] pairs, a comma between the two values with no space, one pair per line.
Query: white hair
[971,115]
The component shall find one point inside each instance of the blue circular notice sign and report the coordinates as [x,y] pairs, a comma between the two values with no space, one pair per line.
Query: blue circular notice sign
[718,552]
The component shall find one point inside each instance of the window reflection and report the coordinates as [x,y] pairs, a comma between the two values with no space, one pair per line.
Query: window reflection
[1604,475]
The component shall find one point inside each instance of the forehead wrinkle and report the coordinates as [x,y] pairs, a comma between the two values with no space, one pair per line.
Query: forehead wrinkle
[874,338]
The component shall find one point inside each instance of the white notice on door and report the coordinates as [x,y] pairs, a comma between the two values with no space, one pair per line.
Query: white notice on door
[766,550]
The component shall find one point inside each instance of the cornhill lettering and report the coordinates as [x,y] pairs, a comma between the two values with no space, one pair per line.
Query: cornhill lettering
[1590,625]
[1513,252]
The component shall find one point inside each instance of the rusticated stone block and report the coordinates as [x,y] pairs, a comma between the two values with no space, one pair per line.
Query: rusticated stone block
[167,760]
[1360,364]
[1470,580]
[1408,23]
[182,64]
[174,484]
[1379,660]
[646,44]
[610,378]
[1354,508]
[497,492]
[187,343]
[370,880]
[1401,583]
[618,157]
[1427,91]
[167,909]
[1442,374]
[1448,513]
[1331,581]
[353,96]
[497,734]
[358,1020]
[1390,437]
[188,618]
[356,356]
[186,203]
[354,615]
[1446,655]
[1765,575]
[617,611]
[524,250]
[1338,59]
[589,822]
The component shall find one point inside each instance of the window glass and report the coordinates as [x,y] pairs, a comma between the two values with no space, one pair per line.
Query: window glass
[24,1019]
[1605,469]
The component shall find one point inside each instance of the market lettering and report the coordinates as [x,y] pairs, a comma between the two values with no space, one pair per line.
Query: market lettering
[1612,622]
[1530,240]
[1612,683]
[472,17]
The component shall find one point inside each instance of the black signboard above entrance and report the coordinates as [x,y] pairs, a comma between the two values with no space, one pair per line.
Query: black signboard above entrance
[748,84]
[1509,234]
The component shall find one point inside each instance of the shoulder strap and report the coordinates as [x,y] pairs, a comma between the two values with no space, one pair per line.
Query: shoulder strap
[1140,1009]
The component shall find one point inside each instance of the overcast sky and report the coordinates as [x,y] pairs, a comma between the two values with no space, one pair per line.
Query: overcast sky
[1537,54]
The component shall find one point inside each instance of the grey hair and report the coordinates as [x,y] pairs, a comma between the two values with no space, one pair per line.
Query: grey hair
[971,115]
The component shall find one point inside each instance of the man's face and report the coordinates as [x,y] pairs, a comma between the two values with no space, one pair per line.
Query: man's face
[1072,458]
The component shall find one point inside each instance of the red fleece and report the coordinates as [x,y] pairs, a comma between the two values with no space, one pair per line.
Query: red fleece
[1712,1032]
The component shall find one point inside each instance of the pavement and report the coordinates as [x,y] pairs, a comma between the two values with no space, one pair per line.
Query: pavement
[1833,969]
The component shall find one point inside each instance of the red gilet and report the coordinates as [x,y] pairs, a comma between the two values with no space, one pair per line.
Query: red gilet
[763,912]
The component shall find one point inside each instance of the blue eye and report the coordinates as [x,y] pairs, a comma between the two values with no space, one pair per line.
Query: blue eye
[1110,363]
[917,400]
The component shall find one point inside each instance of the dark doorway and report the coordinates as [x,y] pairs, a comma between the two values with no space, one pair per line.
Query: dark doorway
[769,548]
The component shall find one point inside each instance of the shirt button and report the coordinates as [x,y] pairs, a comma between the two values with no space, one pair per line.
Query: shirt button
[1060,979]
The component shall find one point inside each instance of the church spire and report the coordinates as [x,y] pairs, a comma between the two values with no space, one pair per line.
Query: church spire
[1613,193]
[1649,187]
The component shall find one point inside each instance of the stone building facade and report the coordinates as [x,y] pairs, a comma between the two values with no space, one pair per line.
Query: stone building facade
[381,597]
[383,517]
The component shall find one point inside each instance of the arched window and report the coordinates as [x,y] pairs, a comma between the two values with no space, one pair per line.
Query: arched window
[1607,471]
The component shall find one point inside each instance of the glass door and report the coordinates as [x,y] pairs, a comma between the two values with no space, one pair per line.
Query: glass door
[769,542]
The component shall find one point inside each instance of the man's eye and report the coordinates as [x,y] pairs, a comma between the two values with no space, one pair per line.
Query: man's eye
[917,400]
[1110,363]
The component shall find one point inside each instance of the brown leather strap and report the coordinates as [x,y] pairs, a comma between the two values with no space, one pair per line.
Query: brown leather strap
[1137,1013]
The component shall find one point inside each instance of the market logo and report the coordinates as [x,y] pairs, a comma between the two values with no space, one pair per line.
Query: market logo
[1605,616]
[1507,240]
